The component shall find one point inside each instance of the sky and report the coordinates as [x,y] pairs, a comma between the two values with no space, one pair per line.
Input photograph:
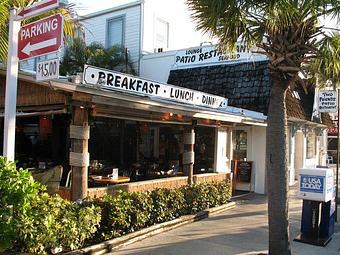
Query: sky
[88,6]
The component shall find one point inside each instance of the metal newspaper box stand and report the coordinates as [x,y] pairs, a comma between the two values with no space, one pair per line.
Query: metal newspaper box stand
[316,188]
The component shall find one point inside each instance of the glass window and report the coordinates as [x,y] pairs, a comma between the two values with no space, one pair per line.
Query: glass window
[240,145]
[311,144]
[161,34]
[115,29]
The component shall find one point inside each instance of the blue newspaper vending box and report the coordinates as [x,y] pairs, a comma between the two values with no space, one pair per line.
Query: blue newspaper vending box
[316,188]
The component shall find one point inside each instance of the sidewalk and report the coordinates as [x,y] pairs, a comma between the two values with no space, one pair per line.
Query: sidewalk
[240,231]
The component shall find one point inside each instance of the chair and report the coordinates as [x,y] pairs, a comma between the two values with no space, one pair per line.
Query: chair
[68,179]
[52,178]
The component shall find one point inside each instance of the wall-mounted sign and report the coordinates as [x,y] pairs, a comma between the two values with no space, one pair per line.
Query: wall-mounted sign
[205,55]
[107,79]
[40,37]
[47,70]
[327,101]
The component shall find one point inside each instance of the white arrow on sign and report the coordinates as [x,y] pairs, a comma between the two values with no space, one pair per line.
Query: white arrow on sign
[37,46]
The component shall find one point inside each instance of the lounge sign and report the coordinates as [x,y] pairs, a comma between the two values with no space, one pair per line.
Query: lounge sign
[211,55]
[116,81]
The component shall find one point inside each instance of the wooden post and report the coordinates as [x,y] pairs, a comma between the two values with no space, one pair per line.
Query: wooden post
[189,154]
[79,156]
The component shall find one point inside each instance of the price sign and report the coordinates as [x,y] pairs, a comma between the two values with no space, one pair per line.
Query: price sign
[47,70]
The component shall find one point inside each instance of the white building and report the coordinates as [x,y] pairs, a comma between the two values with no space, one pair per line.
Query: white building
[143,27]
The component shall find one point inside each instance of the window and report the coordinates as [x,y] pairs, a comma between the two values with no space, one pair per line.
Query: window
[240,145]
[115,31]
[161,34]
[311,144]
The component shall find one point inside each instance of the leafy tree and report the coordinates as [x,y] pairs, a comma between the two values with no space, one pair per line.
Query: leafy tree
[68,12]
[77,54]
[286,31]
[326,66]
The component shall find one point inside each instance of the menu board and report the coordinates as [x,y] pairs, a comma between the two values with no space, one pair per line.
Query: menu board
[244,171]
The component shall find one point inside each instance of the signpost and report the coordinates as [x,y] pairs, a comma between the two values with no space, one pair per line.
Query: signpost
[329,102]
[41,37]
[31,48]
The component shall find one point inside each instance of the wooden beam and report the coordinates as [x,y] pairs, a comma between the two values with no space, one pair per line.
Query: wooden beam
[79,157]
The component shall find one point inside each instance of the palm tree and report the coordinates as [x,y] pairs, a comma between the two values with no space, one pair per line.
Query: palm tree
[286,31]
[77,54]
[326,66]
[68,12]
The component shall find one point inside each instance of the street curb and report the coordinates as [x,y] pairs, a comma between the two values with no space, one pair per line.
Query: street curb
[120,242]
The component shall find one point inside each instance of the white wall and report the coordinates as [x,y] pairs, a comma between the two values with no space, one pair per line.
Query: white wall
[182,29]
[222,150]
[291,166]
[258,156]
[96,29]
[256,152]
[157,66]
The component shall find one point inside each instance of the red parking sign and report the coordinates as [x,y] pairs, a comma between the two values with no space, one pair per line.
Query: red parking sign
[41,37]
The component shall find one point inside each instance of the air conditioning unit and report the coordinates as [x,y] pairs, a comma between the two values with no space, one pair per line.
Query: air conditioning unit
[157,50]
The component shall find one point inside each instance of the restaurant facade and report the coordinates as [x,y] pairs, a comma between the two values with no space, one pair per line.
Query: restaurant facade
[243,77]
[116,131]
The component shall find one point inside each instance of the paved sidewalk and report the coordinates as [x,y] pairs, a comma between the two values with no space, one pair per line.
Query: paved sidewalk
[240,231]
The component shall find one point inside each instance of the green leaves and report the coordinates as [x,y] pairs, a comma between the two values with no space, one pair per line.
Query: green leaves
[127,212]
[17,191]
[77,54]
[32,221]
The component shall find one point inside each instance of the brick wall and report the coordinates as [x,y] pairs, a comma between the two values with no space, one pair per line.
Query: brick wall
[210,177]
[170,183]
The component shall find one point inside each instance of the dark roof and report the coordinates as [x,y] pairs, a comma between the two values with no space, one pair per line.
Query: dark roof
[246,85]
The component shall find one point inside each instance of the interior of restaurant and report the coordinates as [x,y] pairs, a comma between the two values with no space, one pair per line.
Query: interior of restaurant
[145,150]
[139,150]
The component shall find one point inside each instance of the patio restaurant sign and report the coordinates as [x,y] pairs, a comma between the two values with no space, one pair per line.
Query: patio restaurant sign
[205,55]
[111,80]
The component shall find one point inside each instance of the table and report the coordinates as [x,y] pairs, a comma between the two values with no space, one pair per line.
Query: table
[107,180]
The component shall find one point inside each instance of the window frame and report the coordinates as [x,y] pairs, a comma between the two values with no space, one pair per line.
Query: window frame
[157,19]
[112,19]
[311,149]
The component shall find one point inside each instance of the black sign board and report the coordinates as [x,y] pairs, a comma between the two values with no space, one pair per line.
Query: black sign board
[244,171]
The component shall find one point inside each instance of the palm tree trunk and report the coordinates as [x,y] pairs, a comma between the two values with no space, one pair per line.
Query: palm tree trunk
[276,167]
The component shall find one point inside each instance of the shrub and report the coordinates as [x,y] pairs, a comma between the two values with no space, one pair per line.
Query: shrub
[17,190]
[127,212]
[54,222]
[35,222]
[116,215]
[142,210]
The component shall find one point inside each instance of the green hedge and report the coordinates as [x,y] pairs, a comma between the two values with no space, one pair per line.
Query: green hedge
[32,221]
[127,212]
